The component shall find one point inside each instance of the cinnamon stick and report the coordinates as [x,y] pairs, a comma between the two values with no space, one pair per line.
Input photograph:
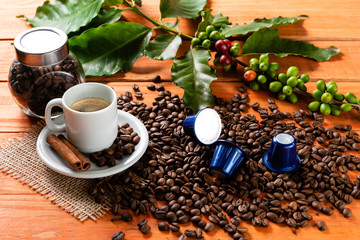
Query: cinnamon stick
[65,152]
[85,163]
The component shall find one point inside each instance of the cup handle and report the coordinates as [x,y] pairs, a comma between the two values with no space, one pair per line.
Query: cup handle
[57,102]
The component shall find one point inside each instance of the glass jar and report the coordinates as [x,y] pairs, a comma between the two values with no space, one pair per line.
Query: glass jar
[42,70]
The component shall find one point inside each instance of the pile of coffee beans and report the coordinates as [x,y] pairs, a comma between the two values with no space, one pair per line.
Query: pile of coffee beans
[124,145]
[174,169]
[33,87]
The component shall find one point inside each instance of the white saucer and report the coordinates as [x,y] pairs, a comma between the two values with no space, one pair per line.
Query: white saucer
[58,164]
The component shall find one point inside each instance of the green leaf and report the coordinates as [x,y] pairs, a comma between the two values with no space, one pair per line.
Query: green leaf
[163,47]
[219,20]
[181,8]
[174,25]
[193,74]
[110,48]
[67,15]
[207,19]
[258,24]
[112,3]
[269,41]
[105,16]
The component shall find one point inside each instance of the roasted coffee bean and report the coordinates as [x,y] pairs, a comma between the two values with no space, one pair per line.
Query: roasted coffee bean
[160,88]
[242,229]
[142,222]
[145,229]
[138,95]
[116,218]
[321,225]
[327,211]
[190,233]
[135,87]
[199,233]
[163,226]
[118,235]
[175,227]
[209,227]
[182,237]
[347,212]
[126,216]
[156,79]
[151,87]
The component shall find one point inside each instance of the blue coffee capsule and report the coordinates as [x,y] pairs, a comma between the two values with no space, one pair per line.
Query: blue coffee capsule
[226,159]
[281,156]
[205,126]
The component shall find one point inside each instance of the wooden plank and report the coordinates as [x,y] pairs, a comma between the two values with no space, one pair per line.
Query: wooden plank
[14,120]
[339,68]
[329,19]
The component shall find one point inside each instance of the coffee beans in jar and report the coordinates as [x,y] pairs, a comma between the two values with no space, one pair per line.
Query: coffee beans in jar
[42,70]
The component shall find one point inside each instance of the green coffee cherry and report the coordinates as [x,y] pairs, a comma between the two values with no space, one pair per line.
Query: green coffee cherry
[271,73]
[292,98]
[300,83]
[195,41]
[214,35]
[292,71]
[210,29]
[304,77]
[264,66]
[326,97]
[350,98]
[282,78]
[314,106]
[206,44]
[287,90]
[275,86]
[345,107]
[325,109]
[317,94]
[335,110]
[203,35]
[321,85]
[281,96]
[254,85]
[274,66]
[302,88]
[254,64]
[264,58]
[217,62]
[234,50]
[292,81]
[331,89]
[262,79]
[227,68]
[245,69]
[330,83]
[339,96]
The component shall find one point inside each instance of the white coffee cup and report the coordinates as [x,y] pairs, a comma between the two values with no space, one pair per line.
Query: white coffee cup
[88,131]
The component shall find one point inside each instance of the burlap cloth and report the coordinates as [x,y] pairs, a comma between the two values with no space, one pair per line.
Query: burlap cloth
[19,159]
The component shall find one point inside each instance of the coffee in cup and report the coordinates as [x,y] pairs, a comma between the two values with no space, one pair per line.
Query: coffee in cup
[90,113]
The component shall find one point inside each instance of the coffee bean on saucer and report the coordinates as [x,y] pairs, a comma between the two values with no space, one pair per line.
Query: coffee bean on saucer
[156,79]
[151,87]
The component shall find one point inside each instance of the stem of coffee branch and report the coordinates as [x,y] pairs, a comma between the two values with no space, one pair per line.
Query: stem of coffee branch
[135,9]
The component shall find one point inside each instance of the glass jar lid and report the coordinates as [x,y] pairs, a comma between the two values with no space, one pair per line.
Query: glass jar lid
[41,46]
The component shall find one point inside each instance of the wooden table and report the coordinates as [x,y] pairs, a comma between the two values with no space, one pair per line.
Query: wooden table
[24,214]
